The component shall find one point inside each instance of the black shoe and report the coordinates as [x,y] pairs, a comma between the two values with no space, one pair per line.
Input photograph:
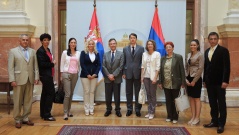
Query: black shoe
[138,114]
[210,125]
[50,119]
[118,113]
[220,129]
[107,113]
[128,113]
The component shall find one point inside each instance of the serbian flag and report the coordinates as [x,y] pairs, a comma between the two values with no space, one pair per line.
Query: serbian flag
[156,33]
[94,34]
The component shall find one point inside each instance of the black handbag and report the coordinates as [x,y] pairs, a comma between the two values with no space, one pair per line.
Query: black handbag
[60,94]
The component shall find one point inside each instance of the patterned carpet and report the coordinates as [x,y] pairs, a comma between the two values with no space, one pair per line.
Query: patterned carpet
[121,130]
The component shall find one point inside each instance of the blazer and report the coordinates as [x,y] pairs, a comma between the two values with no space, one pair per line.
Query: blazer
[196,66]
[88,67]
[114,68]
[177,71]
[65,61]
[44,62]
[19,69]
[132,63]
[218,70]
[154,63]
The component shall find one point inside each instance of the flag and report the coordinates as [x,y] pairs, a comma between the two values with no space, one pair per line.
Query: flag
[94,34]
[156,33]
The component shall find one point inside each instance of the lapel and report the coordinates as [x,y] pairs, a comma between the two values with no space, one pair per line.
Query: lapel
[20,51]
[137,48]
[116,55]
[129,50]
[163,62]
[173,62]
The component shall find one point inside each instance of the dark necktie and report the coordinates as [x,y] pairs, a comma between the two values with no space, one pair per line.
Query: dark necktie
[133,50]
[112,57]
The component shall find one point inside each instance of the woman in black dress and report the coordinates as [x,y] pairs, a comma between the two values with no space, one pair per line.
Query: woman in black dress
[194,68]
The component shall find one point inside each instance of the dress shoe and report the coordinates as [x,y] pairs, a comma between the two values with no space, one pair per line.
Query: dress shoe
[107,113]
[50,119]
[151,116]
[70,115]
[168,120]
[220,129]
[29,123]
[18,125]
[195,121]
[118,113]
[128,113]
[147,115]
[175,121]
[210,125]
[138,114]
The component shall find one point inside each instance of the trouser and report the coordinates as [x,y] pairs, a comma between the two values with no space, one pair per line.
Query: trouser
[69,83]
[170,95]
[47,96]
[22,97]
[111,88]
[130,83]
[217,101]
[151,95]
[89,93]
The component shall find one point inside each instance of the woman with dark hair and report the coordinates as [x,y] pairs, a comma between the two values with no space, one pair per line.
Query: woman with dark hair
[69,74]
[46,70]
[149,75]
[171,79]
[90,67]
[194,67]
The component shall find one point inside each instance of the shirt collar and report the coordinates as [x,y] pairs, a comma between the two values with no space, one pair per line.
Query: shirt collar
[23,49]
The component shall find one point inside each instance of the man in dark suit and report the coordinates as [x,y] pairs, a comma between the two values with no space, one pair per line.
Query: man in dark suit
[216,79]
[113,63]
[132,73]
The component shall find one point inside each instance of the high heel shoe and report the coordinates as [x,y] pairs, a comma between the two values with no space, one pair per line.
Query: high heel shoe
[195,121]
[190,122]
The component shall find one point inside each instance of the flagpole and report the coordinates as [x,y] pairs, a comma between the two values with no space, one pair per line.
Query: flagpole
[94,3]
[156,3]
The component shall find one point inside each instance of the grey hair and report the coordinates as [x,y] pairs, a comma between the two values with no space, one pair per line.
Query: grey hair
[22,35]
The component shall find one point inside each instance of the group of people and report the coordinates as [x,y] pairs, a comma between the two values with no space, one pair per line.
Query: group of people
[134,64]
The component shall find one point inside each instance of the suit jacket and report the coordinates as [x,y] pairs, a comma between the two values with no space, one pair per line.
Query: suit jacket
[177,71]
[65,61]
[114,68]
[44,62]
[196,66]
[88,67]
[154,63]
[218,70]
[132,63]
[19,69]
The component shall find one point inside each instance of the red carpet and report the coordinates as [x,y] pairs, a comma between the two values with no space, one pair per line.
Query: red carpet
[121,130]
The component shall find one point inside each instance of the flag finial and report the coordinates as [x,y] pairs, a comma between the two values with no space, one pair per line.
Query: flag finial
[94,3]
[156,3]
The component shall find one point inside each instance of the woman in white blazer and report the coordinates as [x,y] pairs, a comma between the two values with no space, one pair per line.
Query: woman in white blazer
[149,75]
[69,74]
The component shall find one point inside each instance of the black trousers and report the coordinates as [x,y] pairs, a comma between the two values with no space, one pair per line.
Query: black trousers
[47,96]
[111,88]
[170,95]
[130,83]
[217,101]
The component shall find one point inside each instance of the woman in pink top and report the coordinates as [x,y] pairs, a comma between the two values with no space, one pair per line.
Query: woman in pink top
[69,74]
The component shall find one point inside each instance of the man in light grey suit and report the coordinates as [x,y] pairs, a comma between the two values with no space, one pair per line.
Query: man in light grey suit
[23,74]
[113,63]
[132,73]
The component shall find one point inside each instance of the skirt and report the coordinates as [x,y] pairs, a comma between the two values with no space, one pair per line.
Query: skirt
[195,91]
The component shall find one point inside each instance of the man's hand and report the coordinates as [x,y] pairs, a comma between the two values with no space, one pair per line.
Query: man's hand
[111,77]
[160,86]
[13,84]
[224,85]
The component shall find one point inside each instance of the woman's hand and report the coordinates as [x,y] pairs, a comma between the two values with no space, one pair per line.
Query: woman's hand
[160,86]
[154,81]
[192,84]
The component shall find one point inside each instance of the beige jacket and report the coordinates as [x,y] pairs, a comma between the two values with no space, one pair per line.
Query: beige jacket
[19,69]
[154,63]
[196,66]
